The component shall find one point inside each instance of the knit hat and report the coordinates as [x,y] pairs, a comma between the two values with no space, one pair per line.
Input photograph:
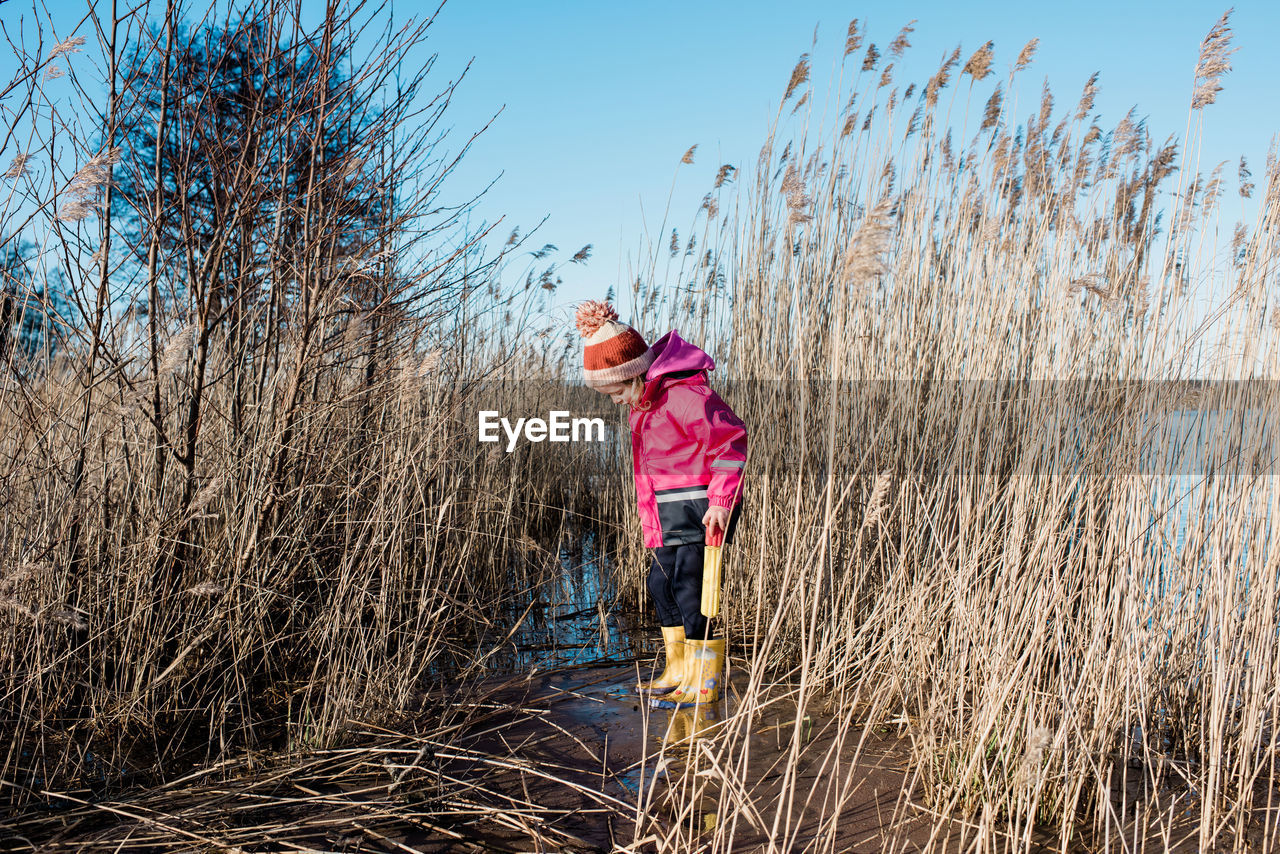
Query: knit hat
[613,351]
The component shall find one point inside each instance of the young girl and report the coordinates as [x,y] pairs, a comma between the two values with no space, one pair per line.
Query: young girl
[688,451]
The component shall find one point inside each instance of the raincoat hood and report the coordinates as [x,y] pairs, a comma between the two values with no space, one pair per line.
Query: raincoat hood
[672,354]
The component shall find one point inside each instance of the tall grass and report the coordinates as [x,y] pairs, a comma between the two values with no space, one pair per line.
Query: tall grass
[961,332]
[244,507]
[386,553]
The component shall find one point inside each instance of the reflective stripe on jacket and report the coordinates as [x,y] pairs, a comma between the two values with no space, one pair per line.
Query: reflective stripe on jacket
[688,447]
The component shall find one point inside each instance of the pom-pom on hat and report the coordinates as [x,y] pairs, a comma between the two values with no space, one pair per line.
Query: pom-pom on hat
[613,351]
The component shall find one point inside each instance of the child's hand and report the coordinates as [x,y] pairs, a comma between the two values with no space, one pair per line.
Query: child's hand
[716,517]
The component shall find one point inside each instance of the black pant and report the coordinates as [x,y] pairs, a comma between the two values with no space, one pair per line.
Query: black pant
[675,583]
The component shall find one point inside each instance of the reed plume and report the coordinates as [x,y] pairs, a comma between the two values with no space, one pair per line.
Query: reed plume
[1026,55]
[853,40]
[176,350]
[1244,176]
[978,65]
[864,259]
[870,59]
[66,47]
[1213,63]
[991,112]
[1087,97]
[799,74]
[900,43]
[18,166]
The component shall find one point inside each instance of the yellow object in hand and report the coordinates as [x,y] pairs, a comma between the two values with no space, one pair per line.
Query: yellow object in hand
[711,581]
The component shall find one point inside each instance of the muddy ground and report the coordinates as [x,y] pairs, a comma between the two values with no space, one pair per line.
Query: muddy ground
[585,745]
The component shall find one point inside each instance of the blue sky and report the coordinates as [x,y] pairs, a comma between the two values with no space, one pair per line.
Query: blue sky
[599,100]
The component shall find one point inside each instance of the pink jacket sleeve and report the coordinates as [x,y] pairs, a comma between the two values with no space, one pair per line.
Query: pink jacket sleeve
[722,434]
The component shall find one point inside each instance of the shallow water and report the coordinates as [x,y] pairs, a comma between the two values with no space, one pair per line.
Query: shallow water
[568,621]
[595,757]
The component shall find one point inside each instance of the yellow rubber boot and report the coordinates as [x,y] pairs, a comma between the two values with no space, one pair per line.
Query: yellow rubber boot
[671,678]
[704,670]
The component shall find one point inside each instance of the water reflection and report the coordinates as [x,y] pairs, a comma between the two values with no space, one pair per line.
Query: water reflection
[568,619]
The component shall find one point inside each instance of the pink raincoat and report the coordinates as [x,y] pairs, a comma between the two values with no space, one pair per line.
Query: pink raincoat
[688,448]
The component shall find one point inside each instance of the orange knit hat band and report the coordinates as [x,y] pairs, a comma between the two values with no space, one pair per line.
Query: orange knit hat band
[614,352]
